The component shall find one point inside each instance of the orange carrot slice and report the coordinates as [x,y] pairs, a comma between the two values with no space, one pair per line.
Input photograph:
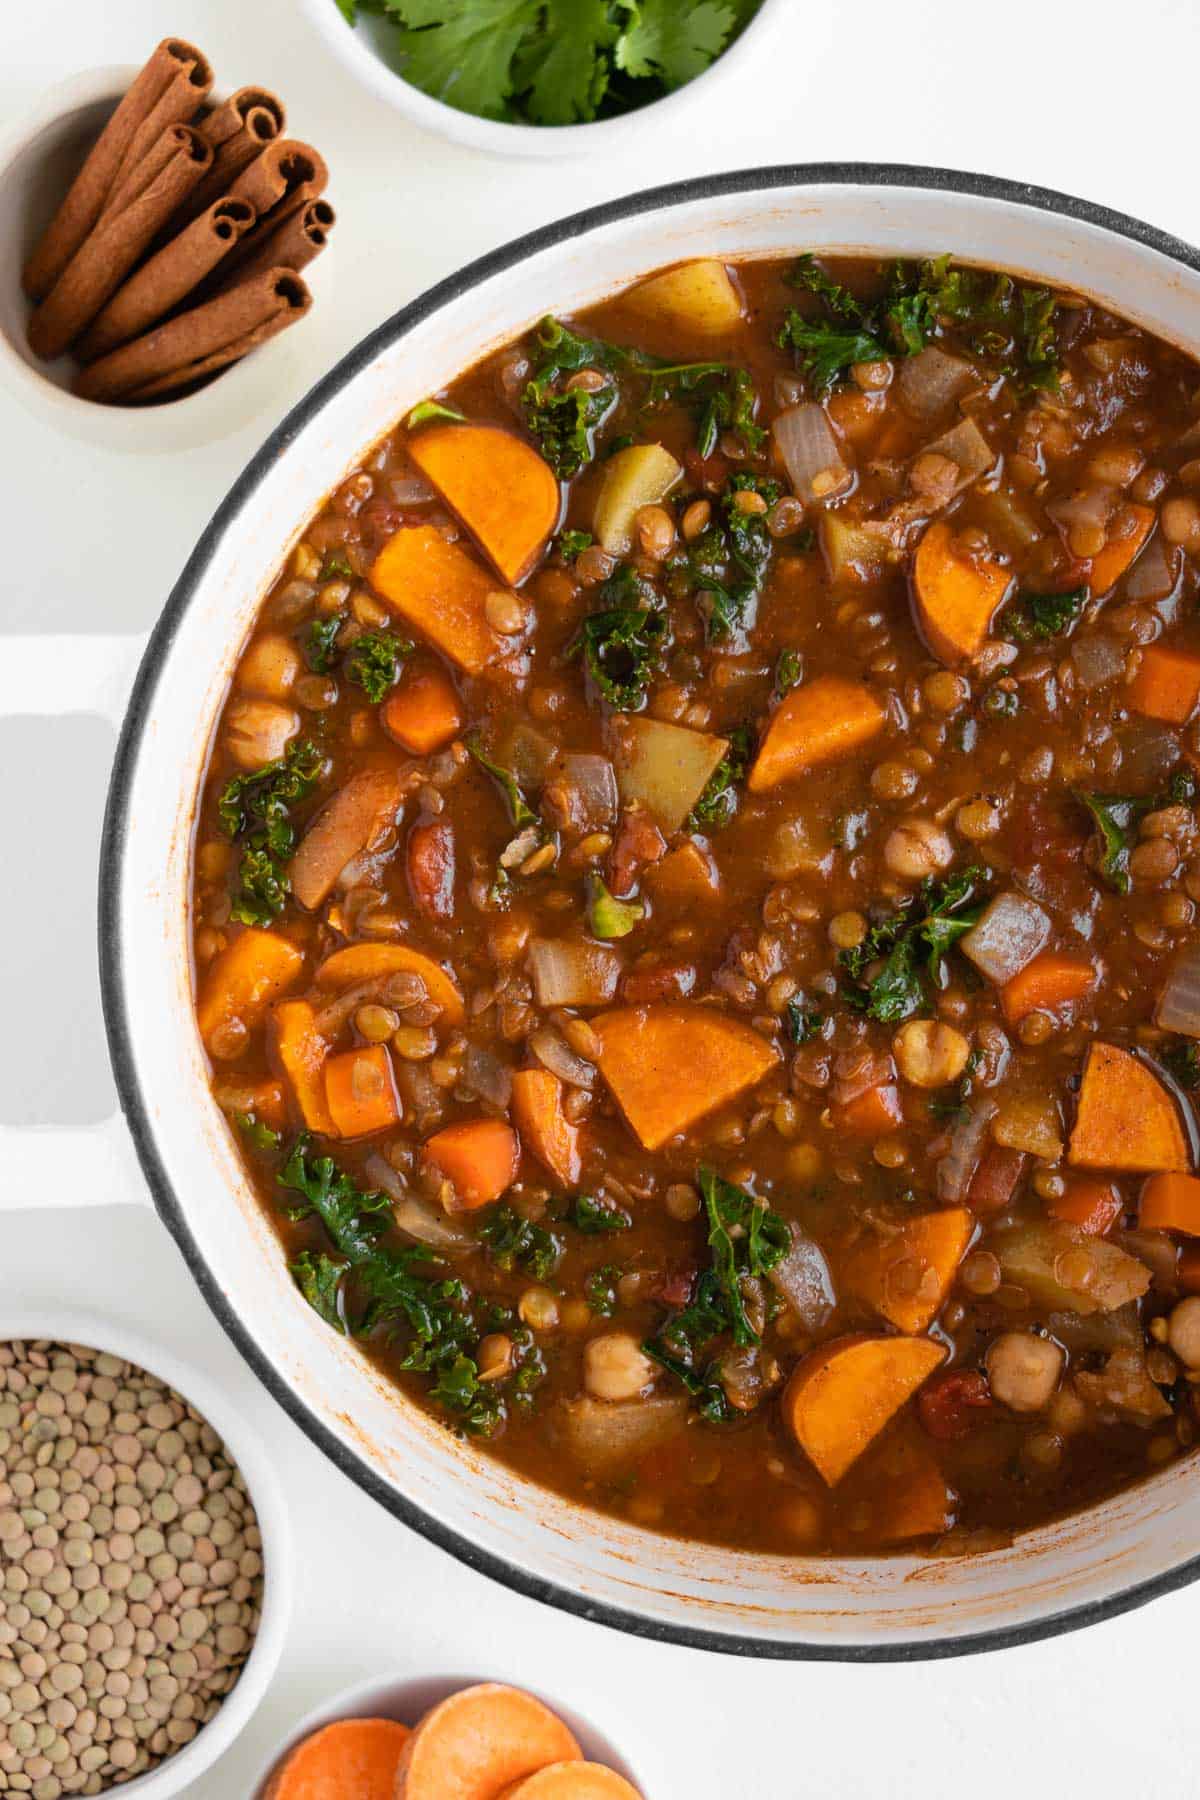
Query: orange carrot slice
[873,1113]
[572,1781]
[906,1278]
[441,591]
[302,1051]
[360,963]
[1053,980]
[354,1759]
[480,1741]
[668,1066]
[479,1157]
[840,1397]
[360,1091]
[955,596]
[506,495]
[1126,1118]
[685,877]
[423,713]
[357,815]
[1092,1204]
[1167,685]
[537,1103]
[1171,1203]
[244,978]
[1132,527]
[821,722]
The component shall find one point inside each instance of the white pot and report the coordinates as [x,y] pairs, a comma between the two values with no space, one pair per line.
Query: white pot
[1137,1545]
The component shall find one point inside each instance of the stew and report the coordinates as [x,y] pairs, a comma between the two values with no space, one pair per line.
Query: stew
[695,896]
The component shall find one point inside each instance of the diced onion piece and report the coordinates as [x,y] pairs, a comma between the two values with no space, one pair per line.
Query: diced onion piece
[1087,506]
[1009,934]
[1179,1003]
[604,1436]
[1097,659]
[595,783]
[956,1168]
[573,972]
[811,454]
[802,1277]
[1154,574]
[1149,752]
[409,490]
[487,1075]
[928,383]
[966,446]
[527,754]
[411,1213]
[555,1054]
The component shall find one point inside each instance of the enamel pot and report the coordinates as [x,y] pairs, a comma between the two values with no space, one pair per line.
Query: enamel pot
[1117,1555]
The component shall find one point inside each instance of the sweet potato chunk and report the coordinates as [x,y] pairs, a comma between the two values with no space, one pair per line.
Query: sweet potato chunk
[360,963]
[537,1104]
[355,818]
[910,1497]
[1126,1118]
[572,1781]
[1171,1203]
[360,1091]
[820,722]
[1167,684]
[505,494]
[906,1278]
[302,1051]
[480,1741]
[242,981]
[423,713]
[479,1157]
[441,591]
[1053,980]
[841,1396]
[955,598]
[1092,1204]
[668,1066]
[1128,539]
[685,877]
[700,296]
[351,1756]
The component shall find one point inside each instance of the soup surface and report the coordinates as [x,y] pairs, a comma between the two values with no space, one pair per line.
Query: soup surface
[694,905]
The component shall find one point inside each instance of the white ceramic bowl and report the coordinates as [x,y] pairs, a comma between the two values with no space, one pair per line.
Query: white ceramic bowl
[364,52]
[39,156]
[407,1698]
[1139,1543]
[189,1763]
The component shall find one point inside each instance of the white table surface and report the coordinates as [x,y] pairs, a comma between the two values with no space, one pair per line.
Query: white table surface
[1095,100]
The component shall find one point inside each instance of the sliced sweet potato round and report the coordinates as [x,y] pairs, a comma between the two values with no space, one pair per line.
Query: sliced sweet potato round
[537,1104]
[821,722]
[955,597]
[360,963]
[441,590]
[840,1396]
[506,495]
[242,981]
[1126,1117]
[478,1742]
[356,1757]
[572,1781]
[668,1066]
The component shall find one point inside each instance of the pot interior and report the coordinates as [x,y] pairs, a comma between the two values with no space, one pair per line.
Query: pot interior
[895,1606]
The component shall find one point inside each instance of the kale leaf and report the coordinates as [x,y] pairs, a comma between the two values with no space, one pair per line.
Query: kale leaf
[318,643]
[789,671]
[564,420]
[624,642]
[429,412]
[256,807]
[826,351]
[596,1216]
[571,544]
[519,809]
[722,395]
[1181,1060]
[727,564]
[600,1289]
[1035,617]
[609,917]
[514,1242]
[719,801]
[1116,818]
[910,947]
[804,1022]
[373,662]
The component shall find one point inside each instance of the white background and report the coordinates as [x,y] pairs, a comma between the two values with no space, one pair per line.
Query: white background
[1096,99]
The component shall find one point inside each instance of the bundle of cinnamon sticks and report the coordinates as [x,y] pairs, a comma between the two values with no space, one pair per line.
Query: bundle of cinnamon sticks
[179,245]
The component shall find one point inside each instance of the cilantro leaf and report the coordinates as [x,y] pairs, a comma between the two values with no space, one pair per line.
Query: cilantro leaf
[596,1216]
[335,567]
[373,662]
[463,54]
[256,1131]
[1035,617]
[562,71]
[672,41]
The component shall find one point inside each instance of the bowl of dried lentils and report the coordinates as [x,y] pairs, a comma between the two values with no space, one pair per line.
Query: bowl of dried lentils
[144,1568]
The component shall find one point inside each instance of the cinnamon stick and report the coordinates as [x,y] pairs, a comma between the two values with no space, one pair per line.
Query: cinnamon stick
[168,278]
[280,182]
[239,131]
[172,65]
[199,341]
[106,256]
[291,245]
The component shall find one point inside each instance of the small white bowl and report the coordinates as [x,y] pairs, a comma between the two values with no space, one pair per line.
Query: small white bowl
[364,50]
[187,1764]
[408,1698]
[39,157]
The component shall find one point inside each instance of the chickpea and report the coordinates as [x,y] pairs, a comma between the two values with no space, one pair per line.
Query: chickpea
[1183,1331]
[269,667]
[259,731]
[616,1368]
[977,820]
[505,612]
[655,532]
[1180,521]
[930,1054]
[916,848]
[538,1308]
[1024,1370]
[495,1356]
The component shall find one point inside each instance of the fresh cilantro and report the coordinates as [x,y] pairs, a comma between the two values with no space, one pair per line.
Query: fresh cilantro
[789,671]
[373,662]
[563,69]
[256,1132]
[600,1290]
[571,544]
[623,644]
[595,1216]
[719,801]
[256,807]
[514,1242]
[672,41]
[431,411]
[804,1022]
[909,947]
[1181,1060]
[1034,617]
[519,809]
[335,567]
[318,643]
[609,917]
